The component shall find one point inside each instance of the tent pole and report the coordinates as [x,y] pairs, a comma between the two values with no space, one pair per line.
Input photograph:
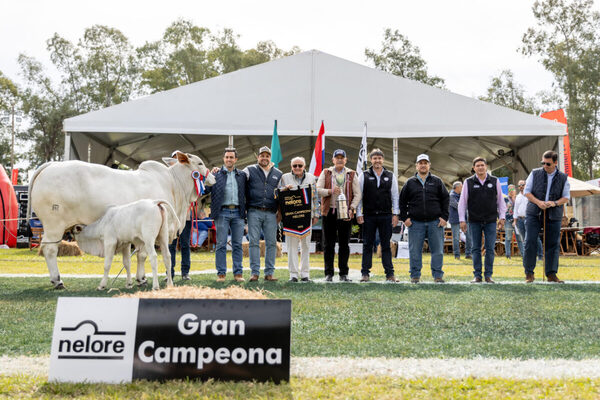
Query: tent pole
[395,145]
[230,141]
[67,153]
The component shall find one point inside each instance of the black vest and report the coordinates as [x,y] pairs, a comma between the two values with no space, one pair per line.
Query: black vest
[482,203]
[538,189]
[377,200]
[261,190]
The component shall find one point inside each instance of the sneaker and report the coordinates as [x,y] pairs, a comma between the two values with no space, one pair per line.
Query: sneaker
[344,278]
[477,280]
[294,279]
[489,280]
[391,278]
[468,257]
[253,278]
[239,278]
[439,280]
[365,278]
[328,278]
[415,280]
[221,278]
[305,280]
[185,277]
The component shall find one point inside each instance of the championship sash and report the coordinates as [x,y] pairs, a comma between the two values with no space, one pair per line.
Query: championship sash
[296,208]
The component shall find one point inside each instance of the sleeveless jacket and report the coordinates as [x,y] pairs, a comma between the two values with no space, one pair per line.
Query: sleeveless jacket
[540,184]
[482,203]
[261,189]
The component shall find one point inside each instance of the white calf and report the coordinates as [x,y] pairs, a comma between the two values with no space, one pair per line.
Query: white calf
[141,223]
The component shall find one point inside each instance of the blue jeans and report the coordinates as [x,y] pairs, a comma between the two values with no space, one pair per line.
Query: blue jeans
[552,235]
[489,232]
[266,222]
[417,233]
[508,230]
[184,245]
[456,240]
[523,230]
[229,219]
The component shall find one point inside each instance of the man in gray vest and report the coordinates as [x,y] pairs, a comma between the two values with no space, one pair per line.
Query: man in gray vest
[547,190]
[263,179]
[378,210]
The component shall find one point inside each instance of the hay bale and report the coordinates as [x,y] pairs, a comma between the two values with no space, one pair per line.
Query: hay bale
[199,292]
[65,249]
[246,249]
[394,247]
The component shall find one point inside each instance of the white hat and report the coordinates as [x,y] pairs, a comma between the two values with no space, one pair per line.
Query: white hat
[423,157]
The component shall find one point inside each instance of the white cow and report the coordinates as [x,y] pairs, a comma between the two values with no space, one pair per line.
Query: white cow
[141,223]
[64,194]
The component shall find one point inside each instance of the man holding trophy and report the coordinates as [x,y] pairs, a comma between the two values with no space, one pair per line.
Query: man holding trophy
[340,194]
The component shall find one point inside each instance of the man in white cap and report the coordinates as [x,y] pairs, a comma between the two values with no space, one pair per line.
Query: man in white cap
[263,180]
[424,210]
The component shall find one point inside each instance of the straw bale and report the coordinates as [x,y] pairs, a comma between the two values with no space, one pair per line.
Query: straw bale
[65,249]
[246,249]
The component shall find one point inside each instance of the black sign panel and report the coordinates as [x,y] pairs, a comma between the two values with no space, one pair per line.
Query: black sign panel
[296,211]
[219,339]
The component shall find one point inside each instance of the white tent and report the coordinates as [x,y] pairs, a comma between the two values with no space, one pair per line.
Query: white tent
[581,188]
[300,91]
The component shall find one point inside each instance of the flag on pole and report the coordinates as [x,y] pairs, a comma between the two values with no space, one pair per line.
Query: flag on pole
[361,165]
[318,157]
[275,148]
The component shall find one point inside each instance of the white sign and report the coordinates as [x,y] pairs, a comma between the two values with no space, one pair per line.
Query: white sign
[93,340]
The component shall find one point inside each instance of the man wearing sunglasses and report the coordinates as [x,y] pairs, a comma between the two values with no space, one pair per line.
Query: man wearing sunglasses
[299,178]
[547,190]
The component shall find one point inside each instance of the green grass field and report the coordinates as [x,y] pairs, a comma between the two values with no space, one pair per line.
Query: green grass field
[367,320]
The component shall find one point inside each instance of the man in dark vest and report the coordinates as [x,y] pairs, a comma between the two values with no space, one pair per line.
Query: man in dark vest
[547,190]
[378,210]
[424,210]
[332,182]
[263,180]
[482,197]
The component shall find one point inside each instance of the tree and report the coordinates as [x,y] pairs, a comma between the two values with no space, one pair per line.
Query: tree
[504,91]
[9,98]
[400,57]
[567,41]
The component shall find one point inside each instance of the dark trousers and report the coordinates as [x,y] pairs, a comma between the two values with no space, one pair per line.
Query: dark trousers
[372,223]
[336,230]
[534,224]
[184,245]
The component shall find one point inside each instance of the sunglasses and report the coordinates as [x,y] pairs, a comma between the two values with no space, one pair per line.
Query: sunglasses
[547,164]
[521,185]
[297,165]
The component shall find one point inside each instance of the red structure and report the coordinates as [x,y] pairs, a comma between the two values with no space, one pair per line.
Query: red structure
[9,210]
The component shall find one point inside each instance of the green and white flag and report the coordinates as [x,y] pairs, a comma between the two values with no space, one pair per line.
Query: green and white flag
[275,148]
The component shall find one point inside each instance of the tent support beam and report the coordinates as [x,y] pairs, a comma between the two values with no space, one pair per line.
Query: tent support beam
[527,171]
[136,149]
[117,152]
[485,147]
[132,141]
[67,152]
[195,148]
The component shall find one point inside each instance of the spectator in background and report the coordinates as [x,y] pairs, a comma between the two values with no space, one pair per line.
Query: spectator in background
[455,223]
[509,225]
[519,216]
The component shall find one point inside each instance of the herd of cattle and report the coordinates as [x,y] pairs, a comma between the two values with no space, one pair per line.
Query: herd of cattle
[108,210]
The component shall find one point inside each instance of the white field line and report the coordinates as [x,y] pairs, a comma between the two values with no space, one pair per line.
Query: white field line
[353,274]
[409,368]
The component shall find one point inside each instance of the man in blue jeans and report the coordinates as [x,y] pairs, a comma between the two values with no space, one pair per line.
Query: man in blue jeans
[547,190]
[228,209]
[262,181]
[482,198]
[455,223]
[519,214]
[424,210]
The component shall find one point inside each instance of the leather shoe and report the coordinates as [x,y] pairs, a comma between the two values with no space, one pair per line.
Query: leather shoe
[220,278]
[529,278]
[185,277]
[328,278]
[294,279]
[253,278]
[391,278]
[477,280]
[414,280]
[365,278]
[488,279]
[468,257]
[439,280]
[344,278]
[270,278]
[239,278]
[554,278]
[305,280]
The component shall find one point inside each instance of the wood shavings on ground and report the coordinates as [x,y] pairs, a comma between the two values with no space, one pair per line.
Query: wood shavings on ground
[200,292]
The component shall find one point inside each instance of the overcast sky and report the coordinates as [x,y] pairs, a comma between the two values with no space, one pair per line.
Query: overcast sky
[463,41]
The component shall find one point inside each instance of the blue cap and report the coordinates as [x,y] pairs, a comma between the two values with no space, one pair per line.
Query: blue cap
[339,152]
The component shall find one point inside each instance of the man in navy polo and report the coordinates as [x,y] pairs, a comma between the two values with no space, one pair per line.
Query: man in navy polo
[547,190]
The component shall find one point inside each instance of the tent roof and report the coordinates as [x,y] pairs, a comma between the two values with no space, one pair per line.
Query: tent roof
[299,92]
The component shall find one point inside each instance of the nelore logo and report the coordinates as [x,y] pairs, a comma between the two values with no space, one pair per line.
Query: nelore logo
[85,341]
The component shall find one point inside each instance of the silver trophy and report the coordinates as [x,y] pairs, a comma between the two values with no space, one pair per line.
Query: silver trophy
[342,202]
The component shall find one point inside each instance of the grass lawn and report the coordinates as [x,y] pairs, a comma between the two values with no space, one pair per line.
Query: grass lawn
[303,388]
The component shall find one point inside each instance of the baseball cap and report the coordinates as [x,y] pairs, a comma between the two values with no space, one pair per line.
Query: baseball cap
[264,149]
[423,157]
[339,152]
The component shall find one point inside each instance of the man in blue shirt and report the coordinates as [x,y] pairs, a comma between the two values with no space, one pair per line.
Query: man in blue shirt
[547,190]
[455,223]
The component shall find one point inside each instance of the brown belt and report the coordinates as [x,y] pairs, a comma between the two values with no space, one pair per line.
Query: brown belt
[231,207]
